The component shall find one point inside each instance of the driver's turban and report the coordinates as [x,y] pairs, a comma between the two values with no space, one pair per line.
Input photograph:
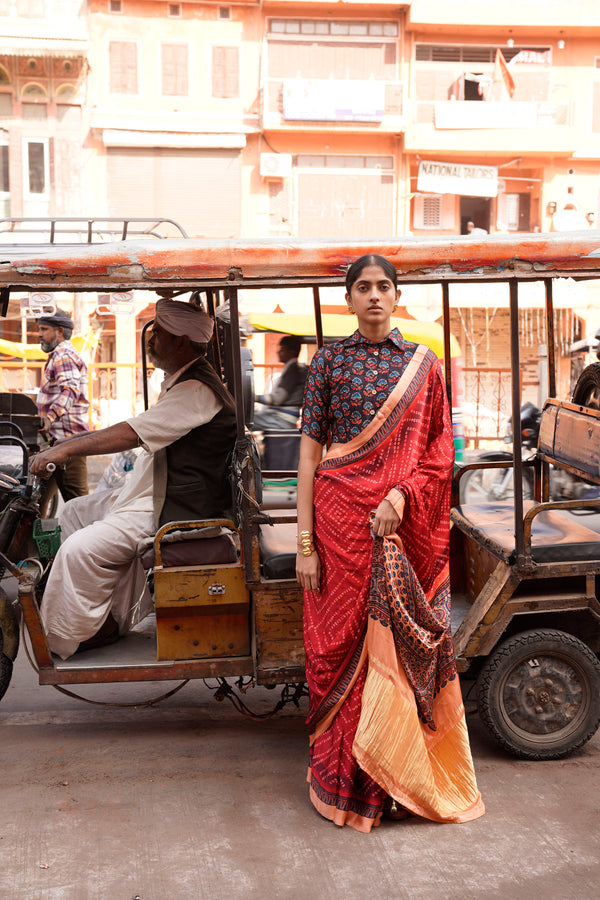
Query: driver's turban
[180,318]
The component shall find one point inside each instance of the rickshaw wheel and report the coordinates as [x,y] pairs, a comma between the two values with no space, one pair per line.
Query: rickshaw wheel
[587,389]
[6,667]
[9,641]
[539,694]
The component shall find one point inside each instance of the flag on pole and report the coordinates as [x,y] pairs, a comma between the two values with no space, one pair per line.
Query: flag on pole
[502,76]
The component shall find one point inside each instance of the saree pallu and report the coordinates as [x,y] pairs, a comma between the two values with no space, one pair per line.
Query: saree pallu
[386,715]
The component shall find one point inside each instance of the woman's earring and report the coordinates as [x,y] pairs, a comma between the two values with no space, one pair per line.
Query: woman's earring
[351,309]
[394,307]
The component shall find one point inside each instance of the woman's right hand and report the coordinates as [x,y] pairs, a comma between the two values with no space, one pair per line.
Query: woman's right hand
[308,571]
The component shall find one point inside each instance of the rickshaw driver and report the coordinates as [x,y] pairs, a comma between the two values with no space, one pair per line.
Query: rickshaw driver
[96,589]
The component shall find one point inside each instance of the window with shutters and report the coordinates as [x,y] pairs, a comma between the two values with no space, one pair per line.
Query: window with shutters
[174,69]
[36,168]
[225,72]
[434,212]
[34,110]
[123,67]
[4,183]
[327,58]
[6,106]
[513,212]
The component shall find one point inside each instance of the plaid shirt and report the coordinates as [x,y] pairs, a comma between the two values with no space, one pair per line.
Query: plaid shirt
[63,392]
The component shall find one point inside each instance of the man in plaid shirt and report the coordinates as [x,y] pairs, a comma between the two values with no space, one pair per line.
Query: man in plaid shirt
[62,399]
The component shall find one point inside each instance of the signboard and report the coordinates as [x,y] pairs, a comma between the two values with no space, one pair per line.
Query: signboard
[37,304]
[468,179]
[328,100]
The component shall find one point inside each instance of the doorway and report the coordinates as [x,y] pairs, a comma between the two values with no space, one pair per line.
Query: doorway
[477,210]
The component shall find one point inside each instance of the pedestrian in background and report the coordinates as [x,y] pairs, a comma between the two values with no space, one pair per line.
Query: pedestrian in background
[62,400]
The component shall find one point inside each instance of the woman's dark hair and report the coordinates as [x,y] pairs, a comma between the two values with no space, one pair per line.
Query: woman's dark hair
[370,259]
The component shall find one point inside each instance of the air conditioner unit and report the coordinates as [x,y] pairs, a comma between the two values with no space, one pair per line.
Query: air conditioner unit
[275,165]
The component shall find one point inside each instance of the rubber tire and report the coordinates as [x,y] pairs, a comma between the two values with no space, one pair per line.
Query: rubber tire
[477,477]
[514,657]
[9,641]
[587,389]
[6,669]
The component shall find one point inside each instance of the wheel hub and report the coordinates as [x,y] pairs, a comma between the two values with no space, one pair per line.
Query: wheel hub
[543,695]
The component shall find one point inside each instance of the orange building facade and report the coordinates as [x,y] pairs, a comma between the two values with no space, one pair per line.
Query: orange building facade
[314,120]
[309,119]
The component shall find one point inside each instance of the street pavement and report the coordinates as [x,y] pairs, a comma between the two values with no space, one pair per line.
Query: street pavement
[189,800]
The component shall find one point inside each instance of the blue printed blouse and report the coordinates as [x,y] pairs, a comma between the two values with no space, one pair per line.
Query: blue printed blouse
[348,382]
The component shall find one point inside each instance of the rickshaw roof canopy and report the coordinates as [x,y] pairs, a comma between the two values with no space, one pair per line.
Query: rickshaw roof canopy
[179,265]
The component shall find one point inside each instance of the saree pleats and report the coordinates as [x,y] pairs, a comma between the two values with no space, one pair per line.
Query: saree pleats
[386,714]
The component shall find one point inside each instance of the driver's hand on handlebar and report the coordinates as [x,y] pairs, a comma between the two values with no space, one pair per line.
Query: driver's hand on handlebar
[308,571]
[43,464]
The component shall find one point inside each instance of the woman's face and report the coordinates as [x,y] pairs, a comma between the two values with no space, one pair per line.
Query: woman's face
[372,296]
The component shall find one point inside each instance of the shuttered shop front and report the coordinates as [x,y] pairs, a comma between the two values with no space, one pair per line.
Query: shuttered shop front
[200,189]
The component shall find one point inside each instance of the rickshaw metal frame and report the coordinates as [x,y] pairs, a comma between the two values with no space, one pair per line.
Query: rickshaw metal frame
[178,266]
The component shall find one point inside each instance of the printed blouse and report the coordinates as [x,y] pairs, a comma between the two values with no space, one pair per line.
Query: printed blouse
[348,382]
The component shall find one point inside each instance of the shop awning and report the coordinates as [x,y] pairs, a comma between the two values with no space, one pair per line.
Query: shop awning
[337,326]
[82,343]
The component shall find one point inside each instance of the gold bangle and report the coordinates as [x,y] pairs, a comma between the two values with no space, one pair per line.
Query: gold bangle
[305,544]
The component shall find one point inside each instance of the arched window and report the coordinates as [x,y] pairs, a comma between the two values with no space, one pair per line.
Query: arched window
[34,91]
[66,93]
[4,76]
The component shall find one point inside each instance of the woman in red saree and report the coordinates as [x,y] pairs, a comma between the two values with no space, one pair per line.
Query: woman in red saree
[386,719]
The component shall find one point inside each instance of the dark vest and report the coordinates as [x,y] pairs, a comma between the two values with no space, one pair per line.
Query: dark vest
[191,474]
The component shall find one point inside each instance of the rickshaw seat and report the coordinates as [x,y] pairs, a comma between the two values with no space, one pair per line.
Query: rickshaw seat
[208,551]
[277,545]
[555,536]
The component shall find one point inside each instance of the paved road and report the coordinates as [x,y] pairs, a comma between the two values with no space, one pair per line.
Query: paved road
[188,800]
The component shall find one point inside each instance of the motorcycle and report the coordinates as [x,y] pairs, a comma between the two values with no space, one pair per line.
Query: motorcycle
[490,484]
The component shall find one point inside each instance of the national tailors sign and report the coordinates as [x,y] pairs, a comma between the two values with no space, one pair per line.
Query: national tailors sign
[457,178]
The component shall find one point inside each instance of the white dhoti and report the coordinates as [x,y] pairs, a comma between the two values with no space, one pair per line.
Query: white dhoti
[97,571]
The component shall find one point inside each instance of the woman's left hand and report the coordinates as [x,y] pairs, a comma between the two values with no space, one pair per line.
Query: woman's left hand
[386,519]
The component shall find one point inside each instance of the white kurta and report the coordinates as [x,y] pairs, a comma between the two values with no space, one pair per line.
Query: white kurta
[97,569]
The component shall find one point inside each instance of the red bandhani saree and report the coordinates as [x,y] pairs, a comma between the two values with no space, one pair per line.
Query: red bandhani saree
[386,714]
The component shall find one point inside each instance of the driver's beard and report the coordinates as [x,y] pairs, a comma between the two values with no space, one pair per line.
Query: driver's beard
[49,346]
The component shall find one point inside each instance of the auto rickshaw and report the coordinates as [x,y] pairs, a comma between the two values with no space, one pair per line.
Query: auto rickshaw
[526,614]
